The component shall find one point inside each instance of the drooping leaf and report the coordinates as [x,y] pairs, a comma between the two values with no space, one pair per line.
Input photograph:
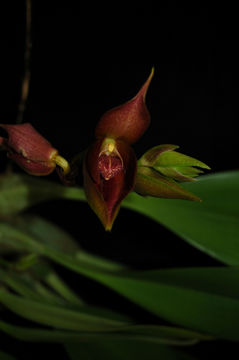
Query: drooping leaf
[57,316]
[18,192]
[205,225]
[192,298]
[211,226]
[19,233]
[152,334]
[28,288]
[45,285]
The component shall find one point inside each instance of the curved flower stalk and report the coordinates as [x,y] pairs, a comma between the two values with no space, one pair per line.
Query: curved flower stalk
[110,164]
[31,151]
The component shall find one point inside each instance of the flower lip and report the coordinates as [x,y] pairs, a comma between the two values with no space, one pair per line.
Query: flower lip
[109,166]
[108,177]
[110,162]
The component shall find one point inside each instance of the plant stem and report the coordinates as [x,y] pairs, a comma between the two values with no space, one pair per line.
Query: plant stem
[27,57]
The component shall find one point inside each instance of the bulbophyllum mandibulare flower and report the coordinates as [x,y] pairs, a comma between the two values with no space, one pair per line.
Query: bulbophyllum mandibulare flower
[30,150]
[110,164]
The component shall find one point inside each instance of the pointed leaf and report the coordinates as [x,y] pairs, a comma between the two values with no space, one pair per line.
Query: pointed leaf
[57,316]
[152,334]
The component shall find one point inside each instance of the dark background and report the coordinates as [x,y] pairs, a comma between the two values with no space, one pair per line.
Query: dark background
[87,59]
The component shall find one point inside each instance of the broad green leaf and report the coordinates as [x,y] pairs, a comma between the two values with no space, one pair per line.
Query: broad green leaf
[211,226]
[192,298]
[5,356]
[202,307]
[175,296]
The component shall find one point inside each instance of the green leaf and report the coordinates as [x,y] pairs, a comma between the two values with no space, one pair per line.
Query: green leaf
[57,316]
[5,356]
[152,334]
[123,349]
[30,287]
[48,276]
[204,293]
[18,192]
[211,226]
[47,233]
[25,286]
[192,298]
[205,225]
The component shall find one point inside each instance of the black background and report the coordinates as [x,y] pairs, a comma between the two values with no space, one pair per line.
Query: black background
[87,58]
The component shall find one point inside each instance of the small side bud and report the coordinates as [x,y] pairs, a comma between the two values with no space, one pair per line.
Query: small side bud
[31,151]
[161,168]
[172,164]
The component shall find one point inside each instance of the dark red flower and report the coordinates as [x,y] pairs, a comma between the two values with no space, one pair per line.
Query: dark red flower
[110,164]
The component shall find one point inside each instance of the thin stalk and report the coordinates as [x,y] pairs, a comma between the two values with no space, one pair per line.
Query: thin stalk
[27,58]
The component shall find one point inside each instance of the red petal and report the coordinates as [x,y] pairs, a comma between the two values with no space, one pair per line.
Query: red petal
[25,140]
[129,121]
[32,167]
[105,196]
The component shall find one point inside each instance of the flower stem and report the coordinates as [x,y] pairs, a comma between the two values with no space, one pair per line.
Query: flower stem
[63,163]
[27,58]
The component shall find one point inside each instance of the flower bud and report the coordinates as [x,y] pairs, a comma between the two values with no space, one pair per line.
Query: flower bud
[31,151]
[160,168]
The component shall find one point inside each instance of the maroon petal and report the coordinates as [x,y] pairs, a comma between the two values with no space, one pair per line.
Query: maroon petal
[105,196]
[23,139]
[32,167]
[129,121]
